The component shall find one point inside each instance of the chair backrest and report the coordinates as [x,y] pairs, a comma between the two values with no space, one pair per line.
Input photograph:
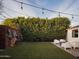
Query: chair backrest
[62,40]
[56,41]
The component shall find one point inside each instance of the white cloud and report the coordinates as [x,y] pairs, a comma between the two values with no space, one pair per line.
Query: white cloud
[27,10]
[14,9]
[71,10]
[30,11]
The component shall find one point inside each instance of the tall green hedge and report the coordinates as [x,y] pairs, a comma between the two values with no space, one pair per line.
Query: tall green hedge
[41,29]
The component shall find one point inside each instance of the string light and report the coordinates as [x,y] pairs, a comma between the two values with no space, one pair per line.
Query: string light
[72,16]
[42,10]
[46,8]
[59,14]
[21,5]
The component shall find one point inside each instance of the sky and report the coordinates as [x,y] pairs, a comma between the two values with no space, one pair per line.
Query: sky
[13,9]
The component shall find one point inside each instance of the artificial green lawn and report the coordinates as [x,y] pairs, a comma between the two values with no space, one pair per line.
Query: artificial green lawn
[37,50]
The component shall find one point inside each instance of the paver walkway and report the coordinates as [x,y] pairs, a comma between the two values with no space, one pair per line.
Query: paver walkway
[73,52]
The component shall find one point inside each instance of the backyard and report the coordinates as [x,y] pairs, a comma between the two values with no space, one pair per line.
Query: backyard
[36,50]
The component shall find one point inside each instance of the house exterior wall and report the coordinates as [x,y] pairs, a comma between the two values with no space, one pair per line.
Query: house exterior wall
[69,35]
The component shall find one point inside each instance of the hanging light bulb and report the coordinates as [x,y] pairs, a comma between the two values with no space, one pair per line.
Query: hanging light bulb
[21,5]
[72,16]
[42,10]
[59,14]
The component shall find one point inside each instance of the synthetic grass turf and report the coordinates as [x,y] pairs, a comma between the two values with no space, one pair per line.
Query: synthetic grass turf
[37,50]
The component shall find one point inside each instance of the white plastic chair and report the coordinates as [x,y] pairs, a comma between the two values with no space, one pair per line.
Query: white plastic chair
[66,45]
[56,41]
[62,40]
[75,44]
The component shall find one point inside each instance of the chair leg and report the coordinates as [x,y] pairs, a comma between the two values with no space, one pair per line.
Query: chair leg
[74,48]
[65,48]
